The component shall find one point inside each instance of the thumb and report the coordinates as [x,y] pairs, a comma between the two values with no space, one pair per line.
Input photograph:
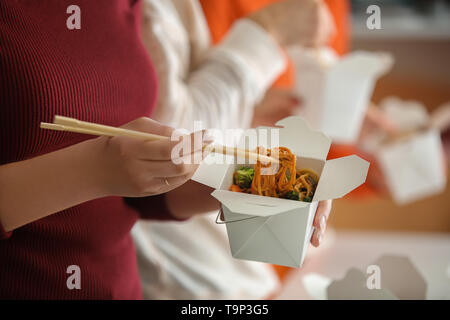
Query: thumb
[148,125]
[380,119]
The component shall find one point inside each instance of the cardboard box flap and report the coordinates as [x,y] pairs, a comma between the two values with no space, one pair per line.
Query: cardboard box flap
[209,173]
[405,115]
[316,59]
[255,205]
[296,135]
[368,63]
[340,176]
[354,286]
[401,277]
[413,167]
[263,245]
[288,228]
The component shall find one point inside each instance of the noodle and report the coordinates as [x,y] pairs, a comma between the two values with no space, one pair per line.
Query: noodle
[287,182]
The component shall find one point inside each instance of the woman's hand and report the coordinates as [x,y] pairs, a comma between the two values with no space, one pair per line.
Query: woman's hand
[35,188]
[276,105]
[320,221]
[129,167]
[376,121]
[301,22]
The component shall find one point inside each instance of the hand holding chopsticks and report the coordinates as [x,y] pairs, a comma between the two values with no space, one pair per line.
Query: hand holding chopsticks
[127,166]
[61,123]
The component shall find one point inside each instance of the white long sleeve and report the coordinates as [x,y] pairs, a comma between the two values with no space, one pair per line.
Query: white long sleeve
[218,86]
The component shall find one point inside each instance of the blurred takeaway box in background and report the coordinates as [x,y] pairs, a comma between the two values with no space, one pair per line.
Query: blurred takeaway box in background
[417,33]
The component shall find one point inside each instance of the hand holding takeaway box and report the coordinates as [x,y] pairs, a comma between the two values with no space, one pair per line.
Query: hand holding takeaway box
[411,161]
[275,230]
[336,91]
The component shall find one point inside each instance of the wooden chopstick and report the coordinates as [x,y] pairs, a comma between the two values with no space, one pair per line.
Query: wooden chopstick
[59,127]
[74,125]
[106,130]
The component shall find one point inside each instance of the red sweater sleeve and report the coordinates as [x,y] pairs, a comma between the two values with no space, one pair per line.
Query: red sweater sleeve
[152,208]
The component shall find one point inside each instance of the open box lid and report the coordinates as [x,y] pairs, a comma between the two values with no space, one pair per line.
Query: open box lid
[372,64]
[406,115]
[295,134]
[340,176]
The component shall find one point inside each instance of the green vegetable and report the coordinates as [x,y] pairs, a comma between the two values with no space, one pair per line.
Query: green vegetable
[244,177]
[288,175]
[291,195]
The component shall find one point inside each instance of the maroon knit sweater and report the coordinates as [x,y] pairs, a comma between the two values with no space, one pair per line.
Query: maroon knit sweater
[100,73]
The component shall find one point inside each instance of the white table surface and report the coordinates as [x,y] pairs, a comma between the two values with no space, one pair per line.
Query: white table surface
[342,250]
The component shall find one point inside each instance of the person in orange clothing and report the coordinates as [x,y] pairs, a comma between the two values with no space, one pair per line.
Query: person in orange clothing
[232,10]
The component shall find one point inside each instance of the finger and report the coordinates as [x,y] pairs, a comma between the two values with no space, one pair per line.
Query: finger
[168,184]
[380,120]
[322,214]
[194,158]
[148,125]
[317,237]
[285,95]
[326,26]
[290,102]
[171,150]
[166,169]
[173,182]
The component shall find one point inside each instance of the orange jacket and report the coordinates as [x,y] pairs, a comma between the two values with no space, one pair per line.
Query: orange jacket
[221,14]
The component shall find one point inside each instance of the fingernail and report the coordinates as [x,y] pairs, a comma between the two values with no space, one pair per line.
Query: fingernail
[323,222]
[319,237]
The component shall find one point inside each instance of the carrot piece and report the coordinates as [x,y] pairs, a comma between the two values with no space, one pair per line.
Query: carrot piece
[235,188]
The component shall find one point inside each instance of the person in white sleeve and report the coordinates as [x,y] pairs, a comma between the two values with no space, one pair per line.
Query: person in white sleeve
[219,86]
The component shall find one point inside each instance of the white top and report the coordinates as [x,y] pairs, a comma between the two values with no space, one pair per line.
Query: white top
[219,86]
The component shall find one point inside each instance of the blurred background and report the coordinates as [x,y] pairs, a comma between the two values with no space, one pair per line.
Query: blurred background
[417,34]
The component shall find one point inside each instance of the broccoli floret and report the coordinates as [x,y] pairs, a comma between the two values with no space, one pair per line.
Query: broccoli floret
[244,177]
[291,195]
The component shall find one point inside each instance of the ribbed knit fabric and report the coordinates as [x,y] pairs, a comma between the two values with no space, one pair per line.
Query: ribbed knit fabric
[100,73]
